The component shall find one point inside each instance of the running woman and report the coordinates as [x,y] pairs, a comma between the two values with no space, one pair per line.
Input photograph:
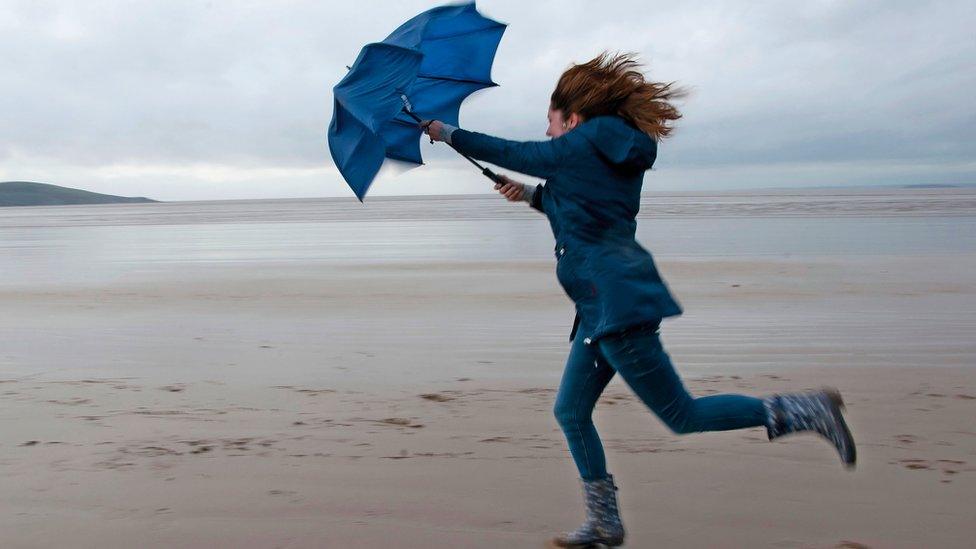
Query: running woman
[605,122]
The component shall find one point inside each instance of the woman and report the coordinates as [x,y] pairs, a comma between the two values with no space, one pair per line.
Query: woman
[605,121]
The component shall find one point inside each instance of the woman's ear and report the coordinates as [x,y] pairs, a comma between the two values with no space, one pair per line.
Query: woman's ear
[574,120]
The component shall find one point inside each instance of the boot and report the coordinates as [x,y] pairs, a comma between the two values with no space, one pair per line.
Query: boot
[817,411]
[602,526]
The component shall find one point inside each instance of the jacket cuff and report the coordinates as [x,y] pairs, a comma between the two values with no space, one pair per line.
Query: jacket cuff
[448,132]
[536,199]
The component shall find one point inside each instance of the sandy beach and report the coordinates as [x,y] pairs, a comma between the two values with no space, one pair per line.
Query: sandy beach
[285,402]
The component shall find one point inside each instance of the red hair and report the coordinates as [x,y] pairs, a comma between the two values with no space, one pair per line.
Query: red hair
[614,85]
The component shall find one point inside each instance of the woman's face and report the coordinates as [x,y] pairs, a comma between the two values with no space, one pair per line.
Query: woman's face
[558,125]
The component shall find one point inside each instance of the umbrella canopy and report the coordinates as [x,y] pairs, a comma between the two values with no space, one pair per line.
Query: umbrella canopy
[425,68]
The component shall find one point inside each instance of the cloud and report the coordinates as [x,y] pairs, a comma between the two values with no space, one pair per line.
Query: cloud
[222,96]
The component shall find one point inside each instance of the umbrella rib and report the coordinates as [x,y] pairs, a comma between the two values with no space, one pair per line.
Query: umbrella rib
[487,84]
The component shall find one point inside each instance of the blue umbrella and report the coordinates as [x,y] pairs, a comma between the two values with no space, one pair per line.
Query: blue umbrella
[424,69]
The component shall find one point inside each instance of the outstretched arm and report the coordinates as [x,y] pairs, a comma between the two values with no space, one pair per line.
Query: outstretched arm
[535,158]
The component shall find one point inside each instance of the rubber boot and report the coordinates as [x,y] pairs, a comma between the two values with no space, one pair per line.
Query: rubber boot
[603,527]
[816,411]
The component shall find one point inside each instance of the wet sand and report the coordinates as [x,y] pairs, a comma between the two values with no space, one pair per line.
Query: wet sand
[409,405]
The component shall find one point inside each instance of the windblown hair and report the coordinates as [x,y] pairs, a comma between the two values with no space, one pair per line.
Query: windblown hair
[614,85]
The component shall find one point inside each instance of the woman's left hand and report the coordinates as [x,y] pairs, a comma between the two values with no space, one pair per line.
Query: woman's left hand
[433,128]
[509,188]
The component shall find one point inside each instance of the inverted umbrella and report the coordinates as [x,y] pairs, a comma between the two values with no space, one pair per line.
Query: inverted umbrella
[424,69]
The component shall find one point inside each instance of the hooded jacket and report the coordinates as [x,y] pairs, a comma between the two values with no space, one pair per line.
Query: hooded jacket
[591,197]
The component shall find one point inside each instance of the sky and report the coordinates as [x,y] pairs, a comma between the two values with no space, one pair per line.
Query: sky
[202,100]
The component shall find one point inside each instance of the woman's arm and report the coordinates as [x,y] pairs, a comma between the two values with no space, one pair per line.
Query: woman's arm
[508,187]
[535,158]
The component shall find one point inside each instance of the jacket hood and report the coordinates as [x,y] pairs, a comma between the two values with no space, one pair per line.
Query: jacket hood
[620,143]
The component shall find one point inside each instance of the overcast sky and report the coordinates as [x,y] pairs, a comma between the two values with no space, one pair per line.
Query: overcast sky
[181,100]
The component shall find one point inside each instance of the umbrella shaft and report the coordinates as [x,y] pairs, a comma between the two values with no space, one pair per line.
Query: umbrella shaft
[484,171]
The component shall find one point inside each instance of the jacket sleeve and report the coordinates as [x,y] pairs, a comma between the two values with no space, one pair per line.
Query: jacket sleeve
[537,198]
[536,158]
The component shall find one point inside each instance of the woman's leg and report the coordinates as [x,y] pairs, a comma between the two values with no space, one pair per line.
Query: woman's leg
[584,379]
[586,375]
[641,360]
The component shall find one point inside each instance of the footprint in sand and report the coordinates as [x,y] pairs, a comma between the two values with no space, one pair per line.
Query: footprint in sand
[947,467]
[537,391]
[401,422]
[309,392]
[394,421]
[496,439]
[155,451]
[438,397]
[442,454]
[906,439]
[72,401]
[915,464]
[851,545]
[199,446]
[314,392]
[239,444]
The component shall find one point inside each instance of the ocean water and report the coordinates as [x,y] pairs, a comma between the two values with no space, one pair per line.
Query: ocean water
[241,290]
[94,245]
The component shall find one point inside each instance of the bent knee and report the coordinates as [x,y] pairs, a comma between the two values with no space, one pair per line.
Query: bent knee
[572,417]
[681,426]
[682,421]
[565,415]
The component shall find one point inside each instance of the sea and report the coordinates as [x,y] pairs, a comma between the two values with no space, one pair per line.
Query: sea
[91,245]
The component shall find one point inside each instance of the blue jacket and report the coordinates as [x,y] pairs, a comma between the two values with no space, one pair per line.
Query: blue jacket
[591,196]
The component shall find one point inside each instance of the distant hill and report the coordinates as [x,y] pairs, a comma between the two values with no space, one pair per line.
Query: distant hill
[25,193]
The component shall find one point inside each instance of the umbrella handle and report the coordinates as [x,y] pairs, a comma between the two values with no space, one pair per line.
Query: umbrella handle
[491,175]
[484,171]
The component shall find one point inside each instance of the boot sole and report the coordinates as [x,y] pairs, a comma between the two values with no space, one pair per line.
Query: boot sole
[833,395]
[552,544]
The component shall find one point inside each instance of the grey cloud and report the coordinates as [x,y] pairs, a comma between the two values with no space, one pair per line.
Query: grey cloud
[249,84]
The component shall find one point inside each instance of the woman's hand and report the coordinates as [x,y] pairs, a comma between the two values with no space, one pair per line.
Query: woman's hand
[433,128]
[510,189]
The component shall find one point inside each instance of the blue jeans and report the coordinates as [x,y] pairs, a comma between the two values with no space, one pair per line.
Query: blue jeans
[640,359]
